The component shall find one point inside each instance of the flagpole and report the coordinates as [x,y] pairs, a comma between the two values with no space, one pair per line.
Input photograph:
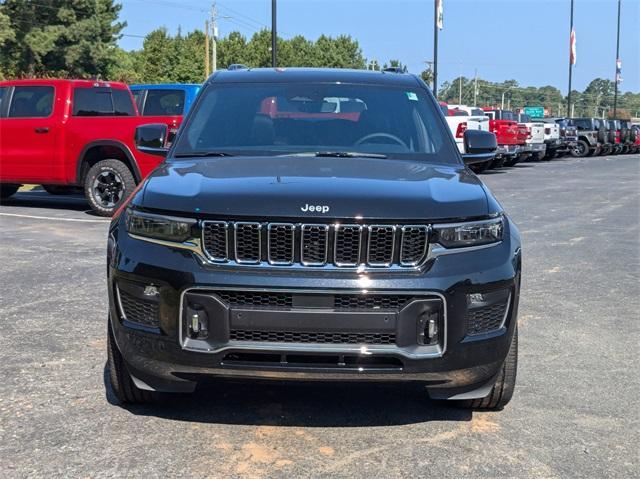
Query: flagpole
[435,47]
[570,59]
[617,77]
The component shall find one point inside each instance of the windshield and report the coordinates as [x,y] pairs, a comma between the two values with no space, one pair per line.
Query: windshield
[273,118]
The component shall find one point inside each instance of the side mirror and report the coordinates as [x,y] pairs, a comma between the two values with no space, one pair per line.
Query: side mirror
[479,146]
[152,139]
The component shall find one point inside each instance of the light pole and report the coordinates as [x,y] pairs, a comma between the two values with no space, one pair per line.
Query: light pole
[572,59]
[502,102]
[274,35]
[617,78]
[435,48]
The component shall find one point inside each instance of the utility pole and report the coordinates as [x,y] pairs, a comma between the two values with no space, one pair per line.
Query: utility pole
[502,102]
[206,49]
[274,35]
[460,86]
[214,35]
[572,40]
[435,47]
[617,78]
[475,90]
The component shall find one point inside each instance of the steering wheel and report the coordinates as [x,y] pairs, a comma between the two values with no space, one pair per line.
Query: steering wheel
[381,135]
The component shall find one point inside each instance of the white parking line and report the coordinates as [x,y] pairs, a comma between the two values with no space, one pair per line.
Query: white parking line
[77,220]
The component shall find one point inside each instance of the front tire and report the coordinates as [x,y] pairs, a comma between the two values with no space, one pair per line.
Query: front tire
[581,150]
[107,185]
[7,190]
[123,386]
[502,391]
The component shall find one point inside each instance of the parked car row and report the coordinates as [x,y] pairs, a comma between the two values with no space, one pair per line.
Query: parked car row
[605,137]
[80,135]
[522,138]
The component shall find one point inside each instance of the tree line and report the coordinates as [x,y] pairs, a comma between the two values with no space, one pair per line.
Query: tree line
[58,38]
[596,100]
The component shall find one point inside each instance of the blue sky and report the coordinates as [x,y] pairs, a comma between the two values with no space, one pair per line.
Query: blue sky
[525,40]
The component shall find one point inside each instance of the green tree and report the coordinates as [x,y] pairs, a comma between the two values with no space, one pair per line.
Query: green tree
[301,52]
[58,37]
[126,67]
[6,31]
[190,51]
[232,49]
[258,53]
[158,57]
[427,76]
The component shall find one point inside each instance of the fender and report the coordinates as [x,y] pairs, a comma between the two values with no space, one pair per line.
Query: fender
[113,143]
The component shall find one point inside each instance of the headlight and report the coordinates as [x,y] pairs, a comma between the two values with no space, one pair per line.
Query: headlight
[474,233]
[166,228]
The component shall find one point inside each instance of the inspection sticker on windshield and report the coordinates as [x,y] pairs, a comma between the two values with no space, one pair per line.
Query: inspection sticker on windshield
[412,96]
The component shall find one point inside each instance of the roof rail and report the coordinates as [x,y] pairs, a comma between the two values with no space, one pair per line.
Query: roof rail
[237,66]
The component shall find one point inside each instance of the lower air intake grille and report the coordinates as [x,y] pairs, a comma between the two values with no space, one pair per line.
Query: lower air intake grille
[312,337]
[486,319]
[255,298]
[277,300]
[139,311]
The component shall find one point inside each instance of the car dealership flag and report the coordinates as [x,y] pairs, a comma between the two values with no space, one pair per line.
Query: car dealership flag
[440,14]
[618,71]
[572,40]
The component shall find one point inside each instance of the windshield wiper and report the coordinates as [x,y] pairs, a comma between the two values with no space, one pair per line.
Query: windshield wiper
[339,154]
[202,154]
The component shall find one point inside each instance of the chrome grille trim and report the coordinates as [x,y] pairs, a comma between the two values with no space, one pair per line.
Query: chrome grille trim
[271,227]
[223,224]
[237,226]
[405,229]
[370,230]
[340,229]
[306,227]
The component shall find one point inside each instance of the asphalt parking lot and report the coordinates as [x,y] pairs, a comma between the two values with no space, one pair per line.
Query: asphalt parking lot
[574,413]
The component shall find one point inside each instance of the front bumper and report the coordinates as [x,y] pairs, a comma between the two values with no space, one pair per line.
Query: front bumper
[166,358]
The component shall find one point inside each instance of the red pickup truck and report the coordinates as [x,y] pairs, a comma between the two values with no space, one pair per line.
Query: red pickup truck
[504,125]
[65,134]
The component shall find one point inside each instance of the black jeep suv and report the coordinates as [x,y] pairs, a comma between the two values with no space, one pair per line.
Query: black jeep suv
[318,225]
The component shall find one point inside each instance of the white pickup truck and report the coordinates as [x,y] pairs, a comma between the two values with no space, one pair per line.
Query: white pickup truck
[551,136]
[535,145]
[461,118]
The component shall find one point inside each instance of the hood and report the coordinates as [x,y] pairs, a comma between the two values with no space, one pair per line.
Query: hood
[310,187]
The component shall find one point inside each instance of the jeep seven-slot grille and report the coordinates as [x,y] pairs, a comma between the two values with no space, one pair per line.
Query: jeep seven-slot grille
[342,245]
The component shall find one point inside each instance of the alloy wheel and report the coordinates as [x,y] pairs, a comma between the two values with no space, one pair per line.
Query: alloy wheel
[108,188]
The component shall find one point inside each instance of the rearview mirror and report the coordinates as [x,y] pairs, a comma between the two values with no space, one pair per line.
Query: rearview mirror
[479,146]
[152,139]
